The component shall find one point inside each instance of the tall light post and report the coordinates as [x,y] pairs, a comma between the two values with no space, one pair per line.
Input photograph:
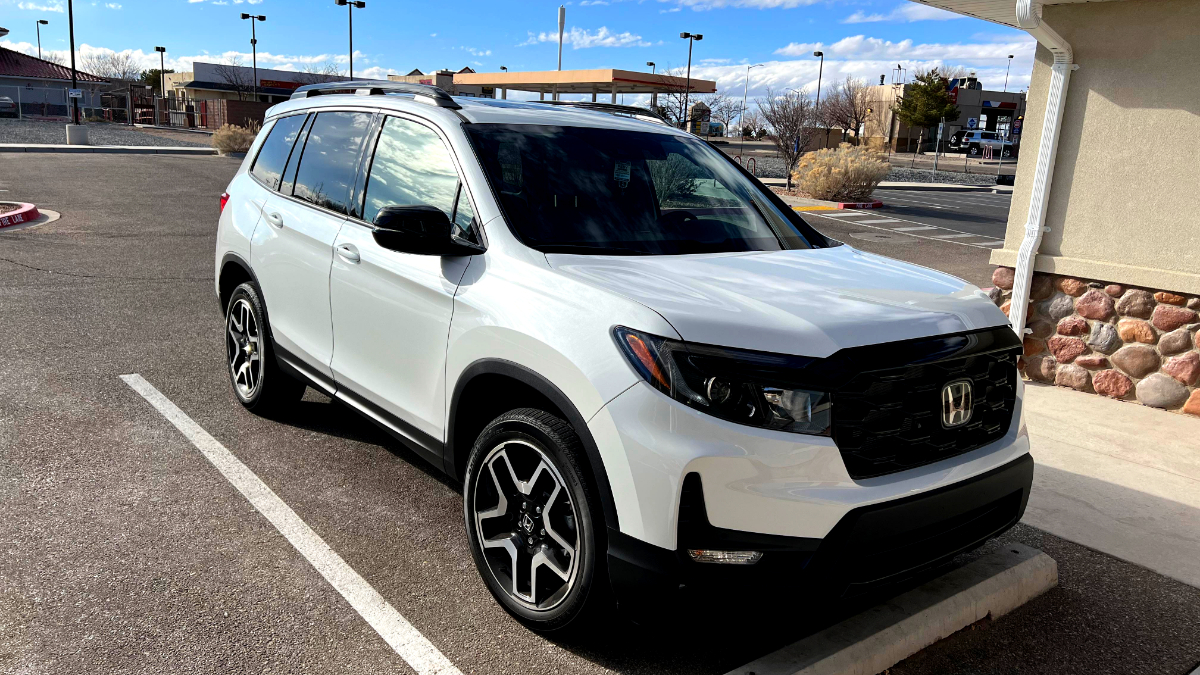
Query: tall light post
[351,5]
[653,95]
[254,46]
[162,66]
[562,24]
[39,24]
[742,117]
[1006,71]
[691,38]
[820,73]
[74,74]
[652,66]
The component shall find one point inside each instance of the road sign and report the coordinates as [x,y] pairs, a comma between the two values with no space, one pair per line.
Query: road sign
[972,122]
[1016,127]
[75,93]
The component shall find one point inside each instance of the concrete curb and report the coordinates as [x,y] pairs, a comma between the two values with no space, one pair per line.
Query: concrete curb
[945,187]
[23,214]
[886,634]
[110,149]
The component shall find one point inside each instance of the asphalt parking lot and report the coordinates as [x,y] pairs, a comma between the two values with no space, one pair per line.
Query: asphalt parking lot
[125,550]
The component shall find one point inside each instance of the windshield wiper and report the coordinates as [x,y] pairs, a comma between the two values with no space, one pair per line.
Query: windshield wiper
[584,248]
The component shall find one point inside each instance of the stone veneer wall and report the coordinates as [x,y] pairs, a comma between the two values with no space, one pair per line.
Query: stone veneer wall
[1129,343]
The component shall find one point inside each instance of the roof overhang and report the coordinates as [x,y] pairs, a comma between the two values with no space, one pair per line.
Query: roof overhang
[602,80]
[997,11]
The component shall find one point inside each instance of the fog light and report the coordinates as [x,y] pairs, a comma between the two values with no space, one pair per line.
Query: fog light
[704,555]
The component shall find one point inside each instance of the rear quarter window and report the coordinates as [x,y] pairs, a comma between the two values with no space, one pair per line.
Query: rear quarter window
[268,165]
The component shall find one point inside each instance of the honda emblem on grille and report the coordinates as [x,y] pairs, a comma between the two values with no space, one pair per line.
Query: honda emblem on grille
[957,400]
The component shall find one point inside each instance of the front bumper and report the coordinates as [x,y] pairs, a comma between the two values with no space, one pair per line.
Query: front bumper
[871,546]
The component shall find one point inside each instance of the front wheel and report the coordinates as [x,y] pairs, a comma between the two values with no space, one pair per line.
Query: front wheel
[973,150]
[533,520]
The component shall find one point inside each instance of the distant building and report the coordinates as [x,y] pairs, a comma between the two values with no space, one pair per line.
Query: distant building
[445,79]
[215,81]
[40,87]
[978,109]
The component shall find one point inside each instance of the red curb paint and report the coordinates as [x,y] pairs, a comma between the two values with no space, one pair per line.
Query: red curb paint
[24,214]
[860,205]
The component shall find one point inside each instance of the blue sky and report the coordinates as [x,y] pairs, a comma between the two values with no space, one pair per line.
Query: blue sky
[861,38]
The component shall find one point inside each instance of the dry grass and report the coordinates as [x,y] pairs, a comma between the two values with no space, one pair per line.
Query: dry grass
[232,138]
[847,173]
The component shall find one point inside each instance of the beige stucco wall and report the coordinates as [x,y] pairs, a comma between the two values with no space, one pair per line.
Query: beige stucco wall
[1125,199]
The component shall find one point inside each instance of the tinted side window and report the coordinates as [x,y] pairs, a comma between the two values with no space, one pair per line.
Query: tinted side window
[330,158]
[411,166]
[274,152]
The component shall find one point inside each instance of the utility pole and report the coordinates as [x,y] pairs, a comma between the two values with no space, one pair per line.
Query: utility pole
[351,5]
[691,38]
[74,74]
[742,117]
[562,24]
[39,24]
[254,47]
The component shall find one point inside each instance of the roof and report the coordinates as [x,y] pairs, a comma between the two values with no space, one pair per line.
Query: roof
[996,11]
[600,80]
[224,86]
[482,111]
[16,64]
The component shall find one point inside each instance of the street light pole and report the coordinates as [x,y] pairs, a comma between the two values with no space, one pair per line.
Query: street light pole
[1006,71]
[162,77]
[39,24]
[562,24]
[742,117]
[820,73]
[653,95]
[691,38]
[351,5]
[74,74]
[254,46]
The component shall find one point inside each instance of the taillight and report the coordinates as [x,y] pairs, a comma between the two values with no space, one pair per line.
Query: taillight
[224,200]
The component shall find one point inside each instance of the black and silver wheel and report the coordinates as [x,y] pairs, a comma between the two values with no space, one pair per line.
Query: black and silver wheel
[973,150]
[531,520]
[256,378]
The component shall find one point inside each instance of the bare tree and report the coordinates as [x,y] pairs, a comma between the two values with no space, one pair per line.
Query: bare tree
[111,66]
[314,73]
[791,116]
[752,123]
[55,57]
[233,73]
[722,109]
[670,102]
[848,106]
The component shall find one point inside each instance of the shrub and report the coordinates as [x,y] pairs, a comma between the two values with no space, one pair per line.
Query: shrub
[847,173]
[232,138]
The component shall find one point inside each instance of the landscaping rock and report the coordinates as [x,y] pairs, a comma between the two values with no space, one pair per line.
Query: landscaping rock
[1112,383]
[1136,330]
[1041,329]
[1170,298]
[1041,287]
[1169,317]
[1060,306]
[1065,349]
[1003,277]
[1137,360]
[1115,290]
[1192,407]
[1073,325]
[1040,368]
[1175,342]
[1095,305]
[1070,286]
[1136,303]
[1194,303]
[1161,391]
[1070,375]
[1104,338]
[997,295]
[1030,346]
[1092,361]
[1185,369]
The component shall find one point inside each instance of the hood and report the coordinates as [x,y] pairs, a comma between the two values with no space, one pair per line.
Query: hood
[803,302]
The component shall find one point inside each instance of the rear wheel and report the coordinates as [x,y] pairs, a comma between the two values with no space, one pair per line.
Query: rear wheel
[257,380]
[973,150]
[533,520]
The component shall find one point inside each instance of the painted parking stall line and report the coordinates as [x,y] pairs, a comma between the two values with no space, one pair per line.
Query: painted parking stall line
[406,640]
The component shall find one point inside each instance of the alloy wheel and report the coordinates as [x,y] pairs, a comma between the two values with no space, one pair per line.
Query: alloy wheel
[243,346]
[527,525]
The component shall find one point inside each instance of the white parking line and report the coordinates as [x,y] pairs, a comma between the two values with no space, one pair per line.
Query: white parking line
[406,640]
[841,214]
[872,222]
[914,229]
[961,235]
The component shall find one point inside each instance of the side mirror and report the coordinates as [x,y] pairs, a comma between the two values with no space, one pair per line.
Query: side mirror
[421,229]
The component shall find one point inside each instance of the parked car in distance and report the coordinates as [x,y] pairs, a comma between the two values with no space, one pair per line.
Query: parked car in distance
[974,141]
[646,370]
[7,107]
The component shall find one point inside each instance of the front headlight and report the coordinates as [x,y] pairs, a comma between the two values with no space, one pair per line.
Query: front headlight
[753,388]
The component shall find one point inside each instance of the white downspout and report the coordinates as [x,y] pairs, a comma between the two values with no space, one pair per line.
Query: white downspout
[1060,76]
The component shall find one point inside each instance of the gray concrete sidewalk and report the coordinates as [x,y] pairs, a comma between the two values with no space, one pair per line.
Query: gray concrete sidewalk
[1118,477]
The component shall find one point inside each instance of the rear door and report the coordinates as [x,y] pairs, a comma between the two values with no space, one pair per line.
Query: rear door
[392,310]
[293,245]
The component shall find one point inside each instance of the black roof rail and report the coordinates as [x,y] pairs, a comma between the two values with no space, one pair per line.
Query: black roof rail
[612,108]
[427,93]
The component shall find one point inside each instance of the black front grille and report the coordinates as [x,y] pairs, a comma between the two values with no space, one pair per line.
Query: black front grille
[890,419]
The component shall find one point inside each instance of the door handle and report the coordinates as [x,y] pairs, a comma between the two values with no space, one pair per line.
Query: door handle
[349,253]
[274,218]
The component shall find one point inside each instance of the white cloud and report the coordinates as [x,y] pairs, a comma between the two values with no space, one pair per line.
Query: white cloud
[906,13]
[54,7]
[700,5]
[581,38]
[477,52]
[862,47]
[113,5]
[592,3]
[433,35]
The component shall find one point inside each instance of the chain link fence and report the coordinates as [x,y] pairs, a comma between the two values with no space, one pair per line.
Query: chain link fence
[51,102]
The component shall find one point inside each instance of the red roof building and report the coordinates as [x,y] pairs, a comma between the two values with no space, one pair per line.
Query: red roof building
[18,66]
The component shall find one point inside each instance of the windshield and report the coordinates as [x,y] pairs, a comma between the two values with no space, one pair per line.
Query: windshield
[585,190]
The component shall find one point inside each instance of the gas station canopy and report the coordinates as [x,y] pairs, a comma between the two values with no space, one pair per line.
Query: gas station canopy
[599,81]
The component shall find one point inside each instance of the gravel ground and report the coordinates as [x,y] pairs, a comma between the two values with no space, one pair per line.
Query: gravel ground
[772,167]
[28,131]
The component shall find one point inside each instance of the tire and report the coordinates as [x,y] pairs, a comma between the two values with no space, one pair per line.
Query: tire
[557,513]
[973,150]
[257,380]
[1007,152]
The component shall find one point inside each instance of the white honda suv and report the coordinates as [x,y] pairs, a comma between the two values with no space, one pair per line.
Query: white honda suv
[647,371]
